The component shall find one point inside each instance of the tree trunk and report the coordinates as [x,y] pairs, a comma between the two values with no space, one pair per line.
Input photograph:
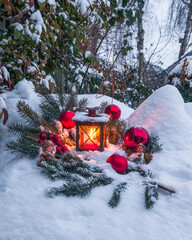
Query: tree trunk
[140,45]
[187,33]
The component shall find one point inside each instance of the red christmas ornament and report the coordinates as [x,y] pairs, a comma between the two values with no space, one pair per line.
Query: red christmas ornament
[135,135]
[114,111]
[118,163]
[43,136]
[66,119]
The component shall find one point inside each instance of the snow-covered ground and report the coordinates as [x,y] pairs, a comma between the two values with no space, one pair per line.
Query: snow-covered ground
[27,214]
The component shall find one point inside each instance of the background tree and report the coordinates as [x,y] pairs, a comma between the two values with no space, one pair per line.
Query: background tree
[180,19]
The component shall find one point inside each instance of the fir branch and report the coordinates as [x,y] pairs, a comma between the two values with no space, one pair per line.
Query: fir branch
[50,107]
[115,130]
[153,145]
[60,82]
[151,194]
[79,188]
[32,137]
[79,177]
[82,104]
[66,166]
[26,112]
[54,171]
[72,102]
[32,118]
[19,129]
[23,147]
[115,199]
[102,107]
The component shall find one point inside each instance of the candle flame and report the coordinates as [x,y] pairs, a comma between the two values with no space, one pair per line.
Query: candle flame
[92,133]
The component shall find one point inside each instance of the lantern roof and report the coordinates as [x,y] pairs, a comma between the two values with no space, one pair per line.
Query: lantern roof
[83,117]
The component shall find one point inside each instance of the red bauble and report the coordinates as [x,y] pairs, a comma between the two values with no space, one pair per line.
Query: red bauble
[118,163]
[66,119]
[135,135]
[43,136]
[114,111]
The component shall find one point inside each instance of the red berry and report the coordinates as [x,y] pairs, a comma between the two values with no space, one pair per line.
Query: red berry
[58,149]
[43,136]
[59,144]
[50,136]
[64,148]
[40,141]
[55,138]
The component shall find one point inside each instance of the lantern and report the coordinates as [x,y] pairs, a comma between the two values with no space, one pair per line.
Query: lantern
[90,130]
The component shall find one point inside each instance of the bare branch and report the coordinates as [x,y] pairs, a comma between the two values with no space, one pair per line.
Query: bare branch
[185,2]
[15,17]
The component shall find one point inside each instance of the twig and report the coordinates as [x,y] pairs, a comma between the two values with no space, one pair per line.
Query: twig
[14,17]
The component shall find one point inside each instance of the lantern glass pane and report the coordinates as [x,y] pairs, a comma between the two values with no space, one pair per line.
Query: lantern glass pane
[89,137]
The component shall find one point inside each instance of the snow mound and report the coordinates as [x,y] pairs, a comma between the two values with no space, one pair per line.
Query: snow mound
[24,90]
[164,114]
[188,109]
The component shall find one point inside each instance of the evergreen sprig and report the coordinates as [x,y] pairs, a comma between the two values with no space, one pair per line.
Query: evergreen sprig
[102,107]
[115,130]
[80,178]
[82,104]
[32,118]
[151,194]
[49,107]
[18,129]
[115,199]
[23,147]
[80,188]
[72,102]
[154,145]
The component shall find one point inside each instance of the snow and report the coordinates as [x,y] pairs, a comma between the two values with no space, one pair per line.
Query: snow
[51,2]
[188,109]
[39,25]
[5,73]
[48,79]
[18,26]
[2,104]
[83,117]
[83,5]
[95,100]
[87,54]
[26,212]
[157,114]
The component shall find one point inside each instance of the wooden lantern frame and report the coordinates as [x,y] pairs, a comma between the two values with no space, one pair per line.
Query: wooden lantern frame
[97,125]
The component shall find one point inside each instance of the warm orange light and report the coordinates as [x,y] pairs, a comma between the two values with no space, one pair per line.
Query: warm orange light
[92,133]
